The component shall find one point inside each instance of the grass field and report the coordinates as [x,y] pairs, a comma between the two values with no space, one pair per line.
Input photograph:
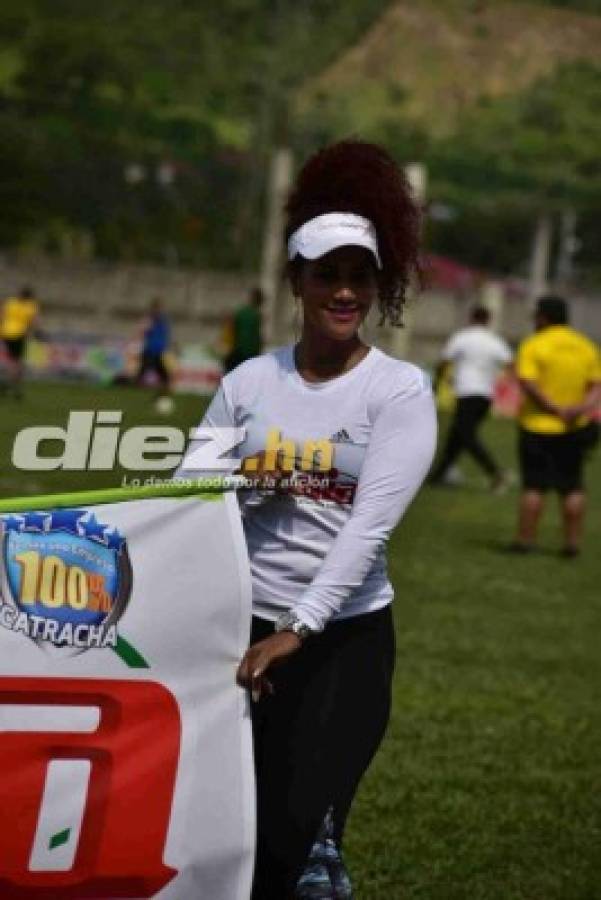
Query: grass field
[488,785]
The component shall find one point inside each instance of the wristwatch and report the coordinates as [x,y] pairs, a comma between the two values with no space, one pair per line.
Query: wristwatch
[289,621]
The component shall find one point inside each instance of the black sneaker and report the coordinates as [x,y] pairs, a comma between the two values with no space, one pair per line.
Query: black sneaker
[569,552]
[519,548]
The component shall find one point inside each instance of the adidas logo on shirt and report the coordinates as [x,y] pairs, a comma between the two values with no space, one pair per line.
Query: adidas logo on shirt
[341,437]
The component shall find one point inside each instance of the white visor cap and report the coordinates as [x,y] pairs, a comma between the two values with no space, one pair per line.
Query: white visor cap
[327,232]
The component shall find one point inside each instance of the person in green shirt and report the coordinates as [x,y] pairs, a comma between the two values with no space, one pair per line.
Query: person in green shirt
[246,331]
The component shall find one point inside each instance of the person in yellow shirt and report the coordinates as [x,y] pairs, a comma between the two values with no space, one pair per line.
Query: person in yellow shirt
[559,371]
[19,314]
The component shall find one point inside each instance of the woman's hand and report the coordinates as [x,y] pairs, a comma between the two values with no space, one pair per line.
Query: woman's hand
[569,414]
[259,658]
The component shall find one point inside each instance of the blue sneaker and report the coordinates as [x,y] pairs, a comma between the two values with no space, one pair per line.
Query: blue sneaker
[314,883]
[341,882]
[325,876]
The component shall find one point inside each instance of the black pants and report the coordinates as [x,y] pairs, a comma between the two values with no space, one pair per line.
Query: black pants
[153,362]
[314,739]
[470,412]
[15,347]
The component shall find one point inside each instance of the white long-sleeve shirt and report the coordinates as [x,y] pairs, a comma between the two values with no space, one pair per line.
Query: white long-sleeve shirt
[318,547]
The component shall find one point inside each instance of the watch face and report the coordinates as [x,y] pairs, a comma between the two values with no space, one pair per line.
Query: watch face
[300,629]
[286,620]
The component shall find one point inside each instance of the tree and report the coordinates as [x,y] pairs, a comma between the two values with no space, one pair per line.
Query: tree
[536,152]
[85,92]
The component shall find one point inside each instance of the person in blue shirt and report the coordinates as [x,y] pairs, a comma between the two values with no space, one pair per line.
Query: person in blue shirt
[156,338]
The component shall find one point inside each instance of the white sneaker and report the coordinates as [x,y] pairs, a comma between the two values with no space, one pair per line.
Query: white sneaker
[501,483]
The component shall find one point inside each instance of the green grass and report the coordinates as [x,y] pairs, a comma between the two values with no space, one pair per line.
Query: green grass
[50,404]
[488,784]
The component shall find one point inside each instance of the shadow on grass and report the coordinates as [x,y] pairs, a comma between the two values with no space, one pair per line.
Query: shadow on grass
[505,548]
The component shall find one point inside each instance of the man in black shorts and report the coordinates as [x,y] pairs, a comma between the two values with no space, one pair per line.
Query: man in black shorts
[560,374]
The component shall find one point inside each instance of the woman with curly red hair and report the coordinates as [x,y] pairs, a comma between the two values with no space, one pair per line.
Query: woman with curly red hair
[343,436]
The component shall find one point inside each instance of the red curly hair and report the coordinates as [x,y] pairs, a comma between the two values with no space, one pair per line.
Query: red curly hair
[362,178]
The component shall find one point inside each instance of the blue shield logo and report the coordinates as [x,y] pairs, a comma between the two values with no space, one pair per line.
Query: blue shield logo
[66,578]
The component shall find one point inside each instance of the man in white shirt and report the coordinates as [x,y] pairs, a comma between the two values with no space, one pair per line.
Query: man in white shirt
[476,355]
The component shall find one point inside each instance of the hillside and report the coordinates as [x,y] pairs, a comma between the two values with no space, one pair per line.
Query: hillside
[128,137]
[435,59]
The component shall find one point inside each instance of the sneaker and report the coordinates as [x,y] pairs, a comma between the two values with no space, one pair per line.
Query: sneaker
[501,482]
[569,552]
[453,477]
[340,881]
[519,548]
[325,876]
[314,883]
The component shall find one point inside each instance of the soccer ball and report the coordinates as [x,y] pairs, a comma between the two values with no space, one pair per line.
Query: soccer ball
[164,405]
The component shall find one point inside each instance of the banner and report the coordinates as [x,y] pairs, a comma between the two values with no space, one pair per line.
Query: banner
[125,744]
[100,359]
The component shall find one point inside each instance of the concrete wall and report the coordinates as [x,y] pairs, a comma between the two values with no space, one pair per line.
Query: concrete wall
[111,299]
[435,315]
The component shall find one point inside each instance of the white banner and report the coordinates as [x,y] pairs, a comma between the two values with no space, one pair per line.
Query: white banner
[125,744]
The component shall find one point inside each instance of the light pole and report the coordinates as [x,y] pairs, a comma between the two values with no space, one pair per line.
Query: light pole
[399,339]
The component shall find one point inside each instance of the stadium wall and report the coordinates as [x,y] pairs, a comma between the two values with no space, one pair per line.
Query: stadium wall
[110,300]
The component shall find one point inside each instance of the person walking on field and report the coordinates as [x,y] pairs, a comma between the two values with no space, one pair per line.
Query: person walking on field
[559,371]
[476,355]
[18,319]
[155,344]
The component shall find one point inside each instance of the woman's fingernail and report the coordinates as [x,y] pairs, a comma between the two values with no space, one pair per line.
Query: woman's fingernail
[256,695]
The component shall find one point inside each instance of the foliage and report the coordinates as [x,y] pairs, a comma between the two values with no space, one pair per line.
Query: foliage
[543,142]
[131,133]
[534,152]
[84,95]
